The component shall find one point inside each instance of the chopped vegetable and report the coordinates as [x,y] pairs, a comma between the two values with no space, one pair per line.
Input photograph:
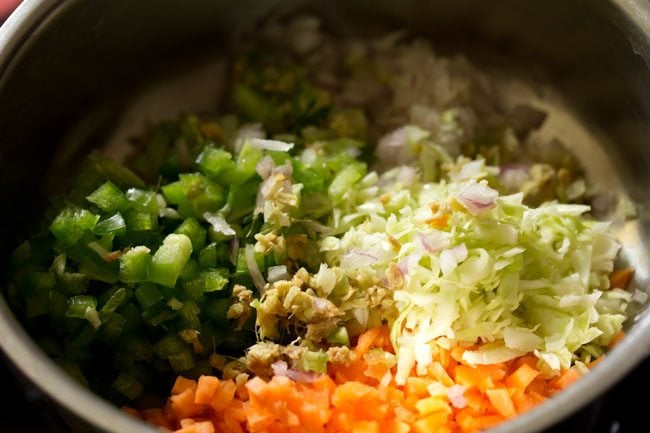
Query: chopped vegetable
[357,396]
[367,244]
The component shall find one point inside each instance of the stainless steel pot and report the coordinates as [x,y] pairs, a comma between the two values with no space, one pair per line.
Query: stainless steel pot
[73,65]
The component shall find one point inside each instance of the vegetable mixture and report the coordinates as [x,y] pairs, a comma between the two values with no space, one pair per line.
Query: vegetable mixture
[368,243]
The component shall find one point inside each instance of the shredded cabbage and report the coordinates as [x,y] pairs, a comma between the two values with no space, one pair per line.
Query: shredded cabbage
[519,279]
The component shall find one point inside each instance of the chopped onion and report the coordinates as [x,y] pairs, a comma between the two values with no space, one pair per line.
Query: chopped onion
[325,279]
[513,176]
[163,210]
[406,265]
[403,267]
[322,305]
[219,224]
[450,258]
[280,368]
[456,396]
[277,273]
[247,132]
[101,251]
[459,252]
[303,376]
[168,212]
[469,170]
[274,145]
[394,148]
[234,250]
[406,175]
[286,169]
[478,198]
[355,259]
[361,314]
[265,167]
[433,241]
[253,269]
[160,201]
[308,156]
[92,316]
[175,304]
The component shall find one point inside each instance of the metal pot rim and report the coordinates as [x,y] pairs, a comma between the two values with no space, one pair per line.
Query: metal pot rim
[25,23]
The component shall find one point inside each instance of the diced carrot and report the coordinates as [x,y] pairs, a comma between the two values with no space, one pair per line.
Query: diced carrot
[358,398]
[457,353]
[444,357]
[476,400]
[197,427]
[324,383]
[521,377]
[466,421]
[204,427]
[156,417]
[382,341]
[596,361]
[430,423]
[256,387]
[234,416]
[438,221]
[530,360]
[616,339]
[501,402]
[566,378]
[487,421]
[350,373]
[206,388]
[187,422]
[366,341]
[466,375]
[417,386]
[496,372]
[620,278]
[182,384]
[539,385]
[183,405]
[168,411]
[486,382]
[131,411]
[349,393]
[365,427]
[395,426]
[429,405]
[438,371]
[376,371]
[258,420]
[276,427]
[537,397]
[523,402]
[224,395]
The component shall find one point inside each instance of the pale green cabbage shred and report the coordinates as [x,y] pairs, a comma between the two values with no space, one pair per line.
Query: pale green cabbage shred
[515,278]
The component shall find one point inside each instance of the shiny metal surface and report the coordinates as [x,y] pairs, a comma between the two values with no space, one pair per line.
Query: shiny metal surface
[68,69]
